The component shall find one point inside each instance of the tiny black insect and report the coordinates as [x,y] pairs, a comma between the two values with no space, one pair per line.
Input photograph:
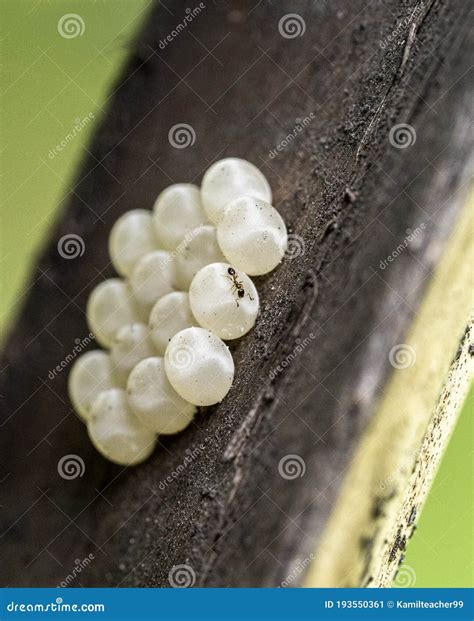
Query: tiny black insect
[237,285]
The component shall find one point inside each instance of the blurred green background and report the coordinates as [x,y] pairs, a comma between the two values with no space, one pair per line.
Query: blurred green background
[49,82]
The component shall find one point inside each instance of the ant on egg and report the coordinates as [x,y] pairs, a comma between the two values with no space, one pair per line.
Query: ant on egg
[236,284]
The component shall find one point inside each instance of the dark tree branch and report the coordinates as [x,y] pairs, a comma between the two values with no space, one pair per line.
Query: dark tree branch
[359,68]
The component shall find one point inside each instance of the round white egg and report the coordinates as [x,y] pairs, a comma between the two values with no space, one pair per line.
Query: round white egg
[154,401]
[131,237]
[90,374]
[229,179]
[199,249]
[177,210]
[199,366]
[252,235]
[109,307]
[131,344]
[224,300]
[170,315]
[152,278]
[116,432]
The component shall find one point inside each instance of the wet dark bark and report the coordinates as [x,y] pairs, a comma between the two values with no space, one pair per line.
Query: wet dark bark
[359,69]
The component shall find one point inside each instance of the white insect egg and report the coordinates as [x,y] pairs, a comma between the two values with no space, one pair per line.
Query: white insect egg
[152,277]
[171,314]
[228,179]
[131,345]
[252,235]
[116,432]
[199,366]
[224,300]
[199,248]
[110,306]
[154,401]
[131,237]
[177,210]
[91,373]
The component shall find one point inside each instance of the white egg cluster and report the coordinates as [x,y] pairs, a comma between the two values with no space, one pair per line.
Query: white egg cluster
[183,290]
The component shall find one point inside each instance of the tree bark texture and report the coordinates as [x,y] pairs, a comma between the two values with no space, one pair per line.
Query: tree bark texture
[309,375]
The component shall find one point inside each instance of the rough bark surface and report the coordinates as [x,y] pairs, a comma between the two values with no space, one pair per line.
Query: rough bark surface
[349,196]
[396,459]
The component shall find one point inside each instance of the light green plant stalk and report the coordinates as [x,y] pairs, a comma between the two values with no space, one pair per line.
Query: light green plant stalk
[395,464]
